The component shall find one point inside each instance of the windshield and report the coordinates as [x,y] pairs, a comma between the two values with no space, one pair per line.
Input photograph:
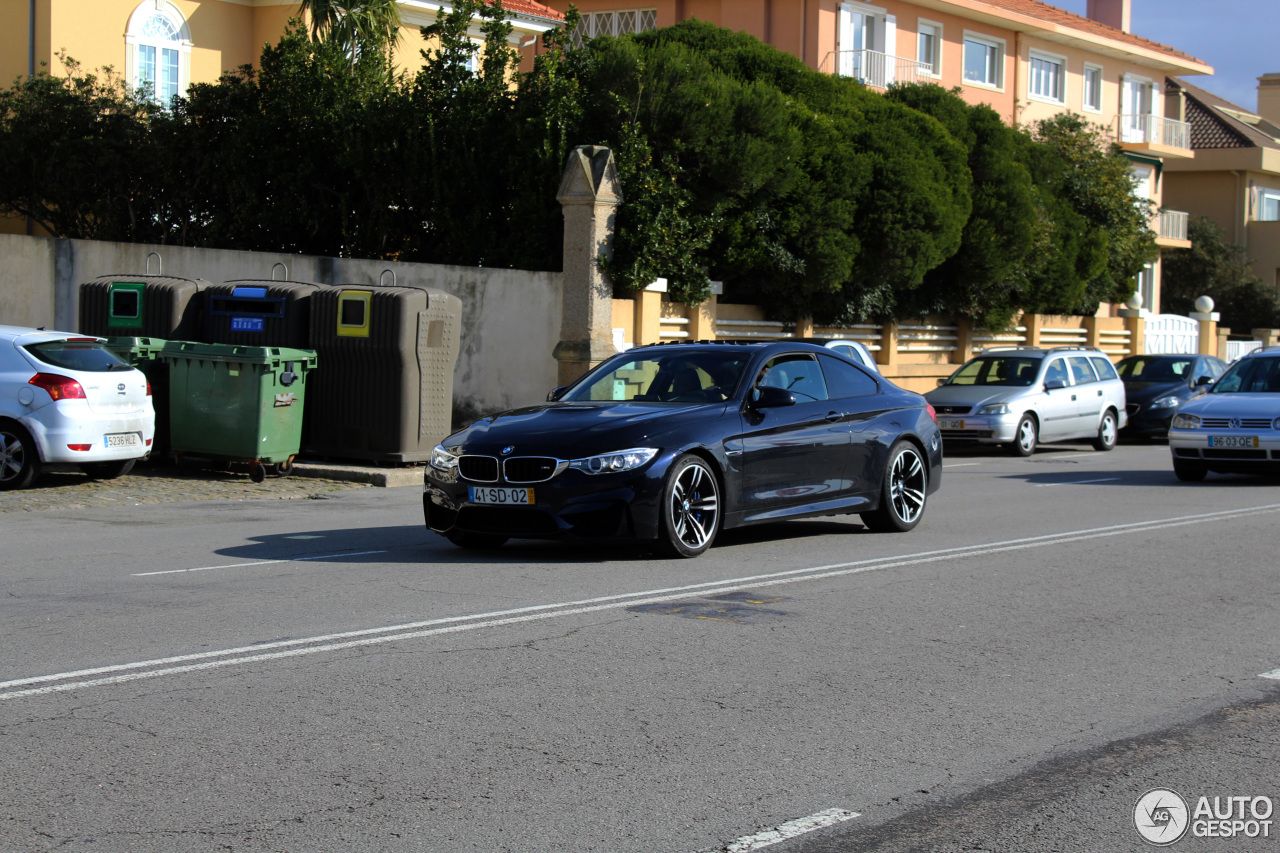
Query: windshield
[1147,369]
[87,355]
[997,370]
[1250,376]
[665,377]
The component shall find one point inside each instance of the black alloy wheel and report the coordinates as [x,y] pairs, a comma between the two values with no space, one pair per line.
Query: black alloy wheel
[690,508]
[19,460]
[903,495]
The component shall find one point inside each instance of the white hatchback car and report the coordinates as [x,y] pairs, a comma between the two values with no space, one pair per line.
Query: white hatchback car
[1235,428]
[66,398]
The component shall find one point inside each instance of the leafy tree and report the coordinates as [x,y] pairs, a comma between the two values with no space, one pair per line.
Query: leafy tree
[1221,270]
[357,27]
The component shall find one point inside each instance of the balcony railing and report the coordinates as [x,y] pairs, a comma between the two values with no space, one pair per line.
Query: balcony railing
[1173,225]
[1154,130]
[877,70]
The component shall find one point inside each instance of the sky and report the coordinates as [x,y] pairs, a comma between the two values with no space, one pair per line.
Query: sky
[1237,37]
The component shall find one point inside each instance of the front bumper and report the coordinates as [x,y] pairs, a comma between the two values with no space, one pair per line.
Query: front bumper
[570,504]
[984,429]
[1259,454]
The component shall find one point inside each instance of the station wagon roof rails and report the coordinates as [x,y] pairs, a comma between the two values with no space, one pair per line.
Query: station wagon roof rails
[1073,348]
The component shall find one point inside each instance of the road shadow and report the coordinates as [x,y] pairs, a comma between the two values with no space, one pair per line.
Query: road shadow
[1140,477]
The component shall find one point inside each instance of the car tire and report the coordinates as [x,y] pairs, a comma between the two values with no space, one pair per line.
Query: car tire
[904,492]
[107,470]
[690,508]
[1189,472]
[1025,438]
[1108,432]
[475,541]
[19,458]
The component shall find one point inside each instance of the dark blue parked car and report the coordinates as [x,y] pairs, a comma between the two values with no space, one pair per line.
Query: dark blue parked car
[1156,385]
[672,443]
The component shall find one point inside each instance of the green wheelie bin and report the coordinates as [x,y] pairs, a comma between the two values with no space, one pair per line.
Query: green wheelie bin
[237,404]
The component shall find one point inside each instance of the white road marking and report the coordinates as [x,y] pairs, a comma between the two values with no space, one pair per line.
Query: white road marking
[1273,675]
[454,624]
[788,830]
[1078,482]
[948,465]
[257,563]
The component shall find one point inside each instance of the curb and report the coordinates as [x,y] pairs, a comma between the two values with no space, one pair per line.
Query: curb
[374,476]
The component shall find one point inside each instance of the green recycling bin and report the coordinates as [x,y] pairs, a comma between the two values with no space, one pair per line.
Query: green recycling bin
[144,354]
[237,404]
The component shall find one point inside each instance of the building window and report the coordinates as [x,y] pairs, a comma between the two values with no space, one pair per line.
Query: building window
[615,23]
[1269,206]
[158,43]
[1147,288]
[1047,77]
[863,35]
[1137,99]
[1092,100]
[928,46]
[983,61]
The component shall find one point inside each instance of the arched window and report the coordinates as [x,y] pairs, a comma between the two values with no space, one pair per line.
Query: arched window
[159,50]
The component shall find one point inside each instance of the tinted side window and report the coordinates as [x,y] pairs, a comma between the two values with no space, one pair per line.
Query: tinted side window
[845,380]
[1106,370]
[1057,372]
[1081,372]
[798,374]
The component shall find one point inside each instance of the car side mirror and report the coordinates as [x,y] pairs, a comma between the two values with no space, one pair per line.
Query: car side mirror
[942,381]
[1054,384]
[1203,381]
[771,397]
[557,393]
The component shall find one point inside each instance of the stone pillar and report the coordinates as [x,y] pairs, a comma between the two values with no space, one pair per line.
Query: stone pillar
[1208,319]
[1092,332]
[964,341]
[589,194]
[888,356]
[648,316]
[804,327]
[1034,323]
[1269,337]
[702,317]
[1135,324]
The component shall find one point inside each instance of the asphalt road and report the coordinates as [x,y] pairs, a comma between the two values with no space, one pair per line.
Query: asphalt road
[1060,635]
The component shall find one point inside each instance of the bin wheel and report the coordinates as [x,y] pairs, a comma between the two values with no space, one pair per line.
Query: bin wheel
[285,468]
[258,472]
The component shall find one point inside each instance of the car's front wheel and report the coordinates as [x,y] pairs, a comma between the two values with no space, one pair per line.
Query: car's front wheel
[1026,437]
[690,508]
[903,493]
[19,459]
[1188,472]
[107,470]
[1108,432]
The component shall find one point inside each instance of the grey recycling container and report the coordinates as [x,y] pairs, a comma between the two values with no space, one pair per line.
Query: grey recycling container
[141,306]
[385,392]
[258,313]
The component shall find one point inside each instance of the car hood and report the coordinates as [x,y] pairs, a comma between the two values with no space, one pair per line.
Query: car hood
[1237,405]
[578,429]
[974,396]
[1143,392]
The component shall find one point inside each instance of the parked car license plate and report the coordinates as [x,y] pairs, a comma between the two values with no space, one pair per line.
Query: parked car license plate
[500,495]
[122,439]
[1233,441]
[944,423]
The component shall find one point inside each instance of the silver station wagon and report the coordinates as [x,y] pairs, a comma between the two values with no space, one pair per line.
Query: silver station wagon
[1022,396]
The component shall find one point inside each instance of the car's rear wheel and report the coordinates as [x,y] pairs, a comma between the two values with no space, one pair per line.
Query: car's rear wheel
[475,541]
[903,493]
[107,470]
[1026,437]
[19,459]
[1189,472]
[690,508]
[1108,432]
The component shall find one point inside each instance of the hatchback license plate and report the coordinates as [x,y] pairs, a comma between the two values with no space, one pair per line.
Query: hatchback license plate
[1233,441]
[500,495]
[122,439]
[949,424]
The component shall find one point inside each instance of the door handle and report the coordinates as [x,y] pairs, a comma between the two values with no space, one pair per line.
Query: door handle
[835,416]
[1073,397]
[1099,393]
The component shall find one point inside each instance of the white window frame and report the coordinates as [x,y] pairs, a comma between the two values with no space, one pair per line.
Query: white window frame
[135,39]
[1085,92]
[934,60]
[1036,79]
[1268,197]
[1134,128]
[989,42]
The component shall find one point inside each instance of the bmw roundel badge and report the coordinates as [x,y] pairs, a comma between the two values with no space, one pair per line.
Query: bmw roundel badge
[506,451]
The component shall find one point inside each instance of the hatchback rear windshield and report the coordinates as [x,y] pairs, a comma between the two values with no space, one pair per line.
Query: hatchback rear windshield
[997,370]
[90,356]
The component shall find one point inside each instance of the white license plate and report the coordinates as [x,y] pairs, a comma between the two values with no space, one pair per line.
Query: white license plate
[950,424]
[123,439]
[499,495]
[1233,441]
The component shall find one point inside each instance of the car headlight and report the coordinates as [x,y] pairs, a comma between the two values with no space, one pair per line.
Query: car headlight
[1185,421]
[444,461]
[1170,402]
[614,463]
[995,409]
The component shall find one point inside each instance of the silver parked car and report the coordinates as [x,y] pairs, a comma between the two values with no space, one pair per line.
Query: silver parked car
[1022,396]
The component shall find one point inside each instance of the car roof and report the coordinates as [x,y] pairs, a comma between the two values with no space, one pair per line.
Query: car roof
[26,335]
[1263,352]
